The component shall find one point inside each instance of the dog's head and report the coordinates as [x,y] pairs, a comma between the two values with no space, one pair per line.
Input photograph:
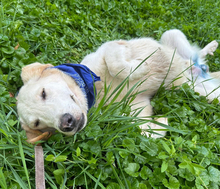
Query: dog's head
[50,99]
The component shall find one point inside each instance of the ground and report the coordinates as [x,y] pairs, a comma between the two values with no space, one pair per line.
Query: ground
[110,152]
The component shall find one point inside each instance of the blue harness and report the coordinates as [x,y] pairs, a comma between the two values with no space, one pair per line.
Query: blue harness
[84,77]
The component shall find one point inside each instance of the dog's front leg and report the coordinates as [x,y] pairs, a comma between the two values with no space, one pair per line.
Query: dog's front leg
[142,102]
[121,64]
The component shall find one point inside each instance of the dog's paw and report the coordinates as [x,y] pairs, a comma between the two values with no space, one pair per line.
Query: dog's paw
[158,131]
[210,48]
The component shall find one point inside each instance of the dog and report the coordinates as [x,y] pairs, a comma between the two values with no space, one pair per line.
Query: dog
[52,98]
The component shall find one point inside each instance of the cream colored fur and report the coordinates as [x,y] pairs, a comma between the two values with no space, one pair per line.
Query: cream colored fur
[171,56]
[60,90]
[113,62]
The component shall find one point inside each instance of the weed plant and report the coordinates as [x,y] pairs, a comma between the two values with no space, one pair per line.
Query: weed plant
[110,152]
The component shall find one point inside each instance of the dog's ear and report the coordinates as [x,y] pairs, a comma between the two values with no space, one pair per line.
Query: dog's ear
[33,71]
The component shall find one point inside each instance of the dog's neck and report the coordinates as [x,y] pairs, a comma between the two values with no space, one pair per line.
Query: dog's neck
[84,77]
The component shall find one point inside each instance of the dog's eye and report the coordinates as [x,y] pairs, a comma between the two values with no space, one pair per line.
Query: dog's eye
[36,124]
[43,94]
[72,98]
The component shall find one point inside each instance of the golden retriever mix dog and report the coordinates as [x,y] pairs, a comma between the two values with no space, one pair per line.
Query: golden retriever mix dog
[57,98]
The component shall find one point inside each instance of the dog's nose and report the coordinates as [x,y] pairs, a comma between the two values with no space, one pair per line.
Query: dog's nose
[68,123]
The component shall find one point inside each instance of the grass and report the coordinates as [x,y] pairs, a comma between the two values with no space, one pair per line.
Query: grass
[110,152]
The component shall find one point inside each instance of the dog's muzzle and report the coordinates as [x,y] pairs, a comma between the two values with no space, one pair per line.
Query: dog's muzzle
[69,123]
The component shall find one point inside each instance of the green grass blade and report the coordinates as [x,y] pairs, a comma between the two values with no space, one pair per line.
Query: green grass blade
[23,160]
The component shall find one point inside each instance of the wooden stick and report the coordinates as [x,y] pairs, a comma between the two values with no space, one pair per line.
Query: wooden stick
[43,136]
[39,168]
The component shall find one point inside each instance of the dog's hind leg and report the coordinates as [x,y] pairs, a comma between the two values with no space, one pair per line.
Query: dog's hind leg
[209,49]
[215,75]
[175,39]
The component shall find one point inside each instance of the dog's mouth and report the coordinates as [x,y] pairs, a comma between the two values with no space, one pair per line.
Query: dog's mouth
[68,123]
[49,129]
